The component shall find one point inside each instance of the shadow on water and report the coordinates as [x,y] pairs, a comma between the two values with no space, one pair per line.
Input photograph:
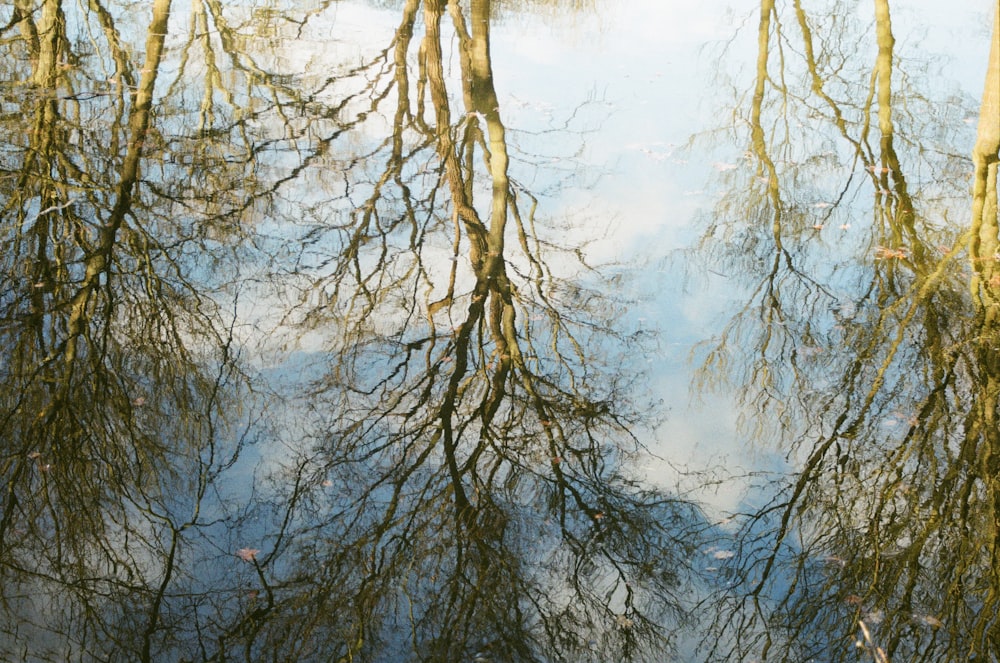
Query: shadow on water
[449,479]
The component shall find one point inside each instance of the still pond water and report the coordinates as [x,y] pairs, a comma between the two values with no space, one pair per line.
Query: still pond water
[510,330]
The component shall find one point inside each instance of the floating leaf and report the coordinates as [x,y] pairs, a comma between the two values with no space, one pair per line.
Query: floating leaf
[247,554]
[886,253]
[930,620]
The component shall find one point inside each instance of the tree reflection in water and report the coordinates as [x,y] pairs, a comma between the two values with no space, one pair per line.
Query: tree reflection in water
[116,366]
[463,491]
[870,354]
[477,422]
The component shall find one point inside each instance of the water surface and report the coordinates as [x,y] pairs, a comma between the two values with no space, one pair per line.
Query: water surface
[499,331]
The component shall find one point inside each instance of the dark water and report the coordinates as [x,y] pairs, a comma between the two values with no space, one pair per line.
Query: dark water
[500,331]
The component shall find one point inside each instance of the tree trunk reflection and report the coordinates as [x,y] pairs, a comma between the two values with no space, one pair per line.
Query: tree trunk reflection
[116,368]
[448,479]
[876,362]
[475,446]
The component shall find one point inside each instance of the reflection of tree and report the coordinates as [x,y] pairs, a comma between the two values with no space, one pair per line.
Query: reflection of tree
[467,494]
[474,501]
[878,365]
[116,366]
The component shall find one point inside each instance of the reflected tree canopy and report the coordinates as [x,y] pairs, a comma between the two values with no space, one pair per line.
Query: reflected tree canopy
[304,359]
[474,395]
[440,469]
[117,369]
[871,361]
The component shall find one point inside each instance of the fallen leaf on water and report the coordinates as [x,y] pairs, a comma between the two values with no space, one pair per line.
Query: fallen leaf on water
[247,554]
[931,620]
[885,253]
[875,617]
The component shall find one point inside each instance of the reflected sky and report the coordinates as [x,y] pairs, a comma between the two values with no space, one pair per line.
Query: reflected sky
[379,323]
